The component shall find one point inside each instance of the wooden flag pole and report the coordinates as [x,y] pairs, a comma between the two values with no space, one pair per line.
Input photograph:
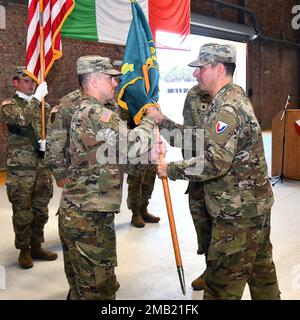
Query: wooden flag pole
[168,202]
[42,66]
[172,222]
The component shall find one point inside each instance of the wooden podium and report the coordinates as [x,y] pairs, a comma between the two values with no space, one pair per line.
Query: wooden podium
[291,168]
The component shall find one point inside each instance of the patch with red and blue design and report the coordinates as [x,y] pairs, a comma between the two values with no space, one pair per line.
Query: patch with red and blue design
[221,126]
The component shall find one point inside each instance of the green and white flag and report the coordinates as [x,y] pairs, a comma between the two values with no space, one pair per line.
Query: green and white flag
[105,21]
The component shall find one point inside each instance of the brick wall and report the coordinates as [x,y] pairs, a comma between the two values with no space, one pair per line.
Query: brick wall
[273,67]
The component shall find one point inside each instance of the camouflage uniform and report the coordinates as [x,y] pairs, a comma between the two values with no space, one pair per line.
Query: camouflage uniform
[140,188]
[195,106]
[140,182]
[58,157]
[238,196]
[93,195]
[29,181]
[58,134]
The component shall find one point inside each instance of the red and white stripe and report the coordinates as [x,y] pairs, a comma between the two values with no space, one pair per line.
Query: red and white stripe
[54,13]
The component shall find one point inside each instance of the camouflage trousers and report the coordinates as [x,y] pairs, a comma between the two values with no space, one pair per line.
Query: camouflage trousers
[202,220]
[140,189]
[89,249]
[29,192]
[240,252]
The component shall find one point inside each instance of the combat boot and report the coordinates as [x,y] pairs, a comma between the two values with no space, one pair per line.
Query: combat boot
[25,260]
[137,220]
[148,217]
[199,283]
[37,252]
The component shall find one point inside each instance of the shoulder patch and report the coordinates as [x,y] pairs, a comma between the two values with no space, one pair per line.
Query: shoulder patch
[105,115]
[222,127]
[6,101]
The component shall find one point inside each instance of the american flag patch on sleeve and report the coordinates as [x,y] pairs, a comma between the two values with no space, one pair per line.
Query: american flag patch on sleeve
[105,116]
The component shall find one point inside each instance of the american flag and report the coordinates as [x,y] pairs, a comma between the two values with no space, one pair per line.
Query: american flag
[51,14]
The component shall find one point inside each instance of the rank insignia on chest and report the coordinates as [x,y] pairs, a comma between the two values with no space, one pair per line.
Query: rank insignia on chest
[221,126]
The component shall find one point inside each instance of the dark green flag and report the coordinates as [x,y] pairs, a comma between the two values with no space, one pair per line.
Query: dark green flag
[139,83]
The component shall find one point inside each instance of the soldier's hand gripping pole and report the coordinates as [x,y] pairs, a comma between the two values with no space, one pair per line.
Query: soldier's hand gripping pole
[172,222]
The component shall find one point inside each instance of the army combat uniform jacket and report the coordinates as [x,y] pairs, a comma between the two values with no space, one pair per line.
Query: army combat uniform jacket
[29,181]
[233,164]
[99,138]
[24,122]
[58,132]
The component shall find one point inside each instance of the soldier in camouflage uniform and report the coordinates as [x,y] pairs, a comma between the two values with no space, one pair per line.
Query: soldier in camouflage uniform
[93,195]
[237,190]
[58,136]
[195,106]
[140,186]
[29,182]
[58,157]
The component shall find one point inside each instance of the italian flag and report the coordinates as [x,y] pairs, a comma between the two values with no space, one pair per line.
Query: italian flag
[108,21]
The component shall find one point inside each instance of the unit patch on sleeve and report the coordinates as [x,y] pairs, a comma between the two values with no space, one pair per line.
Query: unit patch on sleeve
[222,127]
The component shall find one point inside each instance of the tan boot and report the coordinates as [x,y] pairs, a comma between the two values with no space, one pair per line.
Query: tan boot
[148,217]
[42,254]
[199,283]
[137,220]
[25,260]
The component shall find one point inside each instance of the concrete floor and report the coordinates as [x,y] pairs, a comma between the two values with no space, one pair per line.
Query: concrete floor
[145,256]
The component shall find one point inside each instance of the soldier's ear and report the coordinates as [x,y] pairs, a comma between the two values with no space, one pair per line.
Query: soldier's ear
[93,81]
[221,68]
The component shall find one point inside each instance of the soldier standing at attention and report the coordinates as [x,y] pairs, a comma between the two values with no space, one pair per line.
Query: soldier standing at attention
[140,186]
[29,182]
[93,195]
[237,189]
